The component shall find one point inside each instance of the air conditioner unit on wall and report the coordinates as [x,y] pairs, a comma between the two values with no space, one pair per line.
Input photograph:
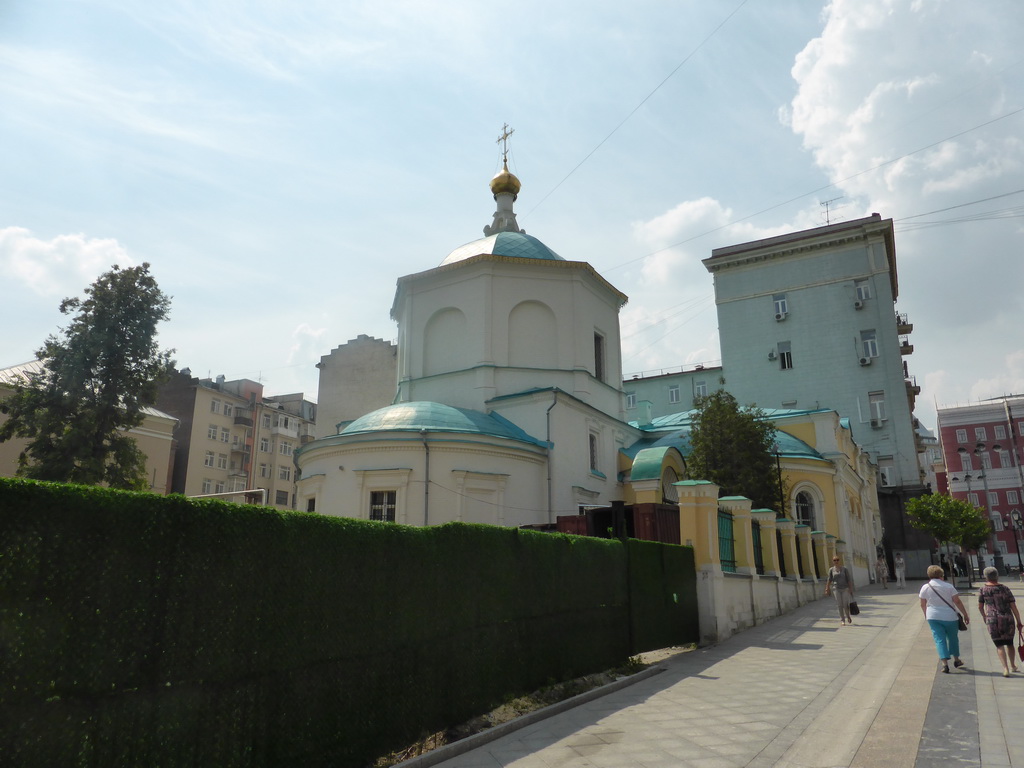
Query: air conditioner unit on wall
[876,423]
[865,361]
[772,354]
[780,316]
[858,304]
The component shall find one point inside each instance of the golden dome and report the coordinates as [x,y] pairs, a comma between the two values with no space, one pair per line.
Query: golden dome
[505,181]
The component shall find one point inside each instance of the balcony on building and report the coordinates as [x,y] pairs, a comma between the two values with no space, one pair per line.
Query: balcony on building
[903,325]
[241,447]
[243,417]
[906,348]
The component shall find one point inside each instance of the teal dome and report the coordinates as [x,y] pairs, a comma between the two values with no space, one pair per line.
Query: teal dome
[514,245]
[436,417]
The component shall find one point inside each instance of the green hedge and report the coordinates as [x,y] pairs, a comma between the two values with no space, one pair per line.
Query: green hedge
[164,631]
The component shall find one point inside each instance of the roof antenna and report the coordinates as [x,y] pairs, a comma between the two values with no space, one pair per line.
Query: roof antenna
[825,205]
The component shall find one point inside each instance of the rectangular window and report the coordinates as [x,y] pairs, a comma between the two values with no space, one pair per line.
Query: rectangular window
[1000,431]
[311,504]
[785,355]
[211,432]
[207,485]
[227,409]
[781,305]
[1011,497]
[222,461]
[986,460]
[208,459]
[264,445]
[266,421]
[599,356]
[264,470]
[876,404]
[993,499]
[997,522]
[630,400]
[285,448]
[281,498]
[972,498]
[215,406]
[863,288]
[1020,428]
[673,393]
[979,433]
[965,462]
[284,472]
[382,505]
[869,343]
[593,452]
[961,435]
[700,389]
[219,487]
[225,435]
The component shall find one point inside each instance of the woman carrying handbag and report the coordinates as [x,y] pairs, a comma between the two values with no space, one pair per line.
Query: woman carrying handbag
[998,609]
[938,599]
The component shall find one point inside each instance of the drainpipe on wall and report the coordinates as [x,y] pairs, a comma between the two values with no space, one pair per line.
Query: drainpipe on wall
[426,477]
[547,420]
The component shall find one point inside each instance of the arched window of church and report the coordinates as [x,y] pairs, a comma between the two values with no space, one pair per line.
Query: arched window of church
[805,509]
[669,493]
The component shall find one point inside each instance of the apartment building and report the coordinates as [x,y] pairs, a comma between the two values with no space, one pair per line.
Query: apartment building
[233,439]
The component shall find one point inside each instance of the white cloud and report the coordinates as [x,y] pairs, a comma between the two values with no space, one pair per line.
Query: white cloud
[61,266]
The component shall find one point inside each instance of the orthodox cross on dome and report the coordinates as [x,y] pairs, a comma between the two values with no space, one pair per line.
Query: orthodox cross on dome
[506,132]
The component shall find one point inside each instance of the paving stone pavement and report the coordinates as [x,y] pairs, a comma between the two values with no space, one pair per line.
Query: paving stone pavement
[796,692]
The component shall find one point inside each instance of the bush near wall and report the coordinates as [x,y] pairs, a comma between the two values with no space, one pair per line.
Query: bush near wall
[163,631]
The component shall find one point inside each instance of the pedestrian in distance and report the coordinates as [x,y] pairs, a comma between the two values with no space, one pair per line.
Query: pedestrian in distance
[900,566]
[882,571]
[840,585]
[938,598]
[998,609]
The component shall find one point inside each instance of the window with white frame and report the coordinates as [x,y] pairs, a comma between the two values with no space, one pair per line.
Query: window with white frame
[979,433]
[993,499]
[700,388]
[781,305]
[281,498]
[215,406]
[211,432]
[972,498]
[1012,498]
[285,448]
[997,522]
[965,462]
[264,470]
[673,393]
[804,508]
[986,460]
[594,467]
[961,435]
[207,485]
[630,400]
[382,505]
[208,459]
[284,472]
[222,461]
[876,405]
[266,421]
[227,409]
[863,288]
[219,487]
[1000,432]
[869,343]
[1020,427]
[225,435]
[785,355]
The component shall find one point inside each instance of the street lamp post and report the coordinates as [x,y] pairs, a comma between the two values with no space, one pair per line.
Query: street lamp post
[979,451]
[967,479]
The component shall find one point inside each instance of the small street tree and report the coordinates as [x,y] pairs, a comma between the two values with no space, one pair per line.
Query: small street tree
[95,381]
[949,520]
[732,447]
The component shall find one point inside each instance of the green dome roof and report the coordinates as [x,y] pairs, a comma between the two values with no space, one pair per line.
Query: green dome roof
[515,245]
[437,417]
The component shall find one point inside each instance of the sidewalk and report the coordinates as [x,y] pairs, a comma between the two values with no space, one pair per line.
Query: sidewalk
[797,692]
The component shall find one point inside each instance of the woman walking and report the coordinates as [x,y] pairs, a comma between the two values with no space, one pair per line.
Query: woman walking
[900,566]
[840,585]
[882,571]
[998,609]
[938,599]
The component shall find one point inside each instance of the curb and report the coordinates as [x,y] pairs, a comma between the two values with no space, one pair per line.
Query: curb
[491,734]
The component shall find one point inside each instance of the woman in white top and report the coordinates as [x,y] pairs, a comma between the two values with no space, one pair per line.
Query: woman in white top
[939,604]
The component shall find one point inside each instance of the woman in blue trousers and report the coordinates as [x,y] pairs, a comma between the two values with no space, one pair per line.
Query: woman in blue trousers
[940,603]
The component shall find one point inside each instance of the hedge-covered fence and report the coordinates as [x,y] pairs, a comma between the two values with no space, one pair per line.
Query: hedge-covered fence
[163,631]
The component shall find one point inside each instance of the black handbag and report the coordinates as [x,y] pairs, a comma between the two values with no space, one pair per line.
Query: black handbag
[854,608]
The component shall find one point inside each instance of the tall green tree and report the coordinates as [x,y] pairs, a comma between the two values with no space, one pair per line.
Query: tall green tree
[95,380]
[949,520]
[733,447]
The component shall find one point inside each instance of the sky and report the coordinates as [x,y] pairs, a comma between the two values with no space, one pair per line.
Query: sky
[280,165]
